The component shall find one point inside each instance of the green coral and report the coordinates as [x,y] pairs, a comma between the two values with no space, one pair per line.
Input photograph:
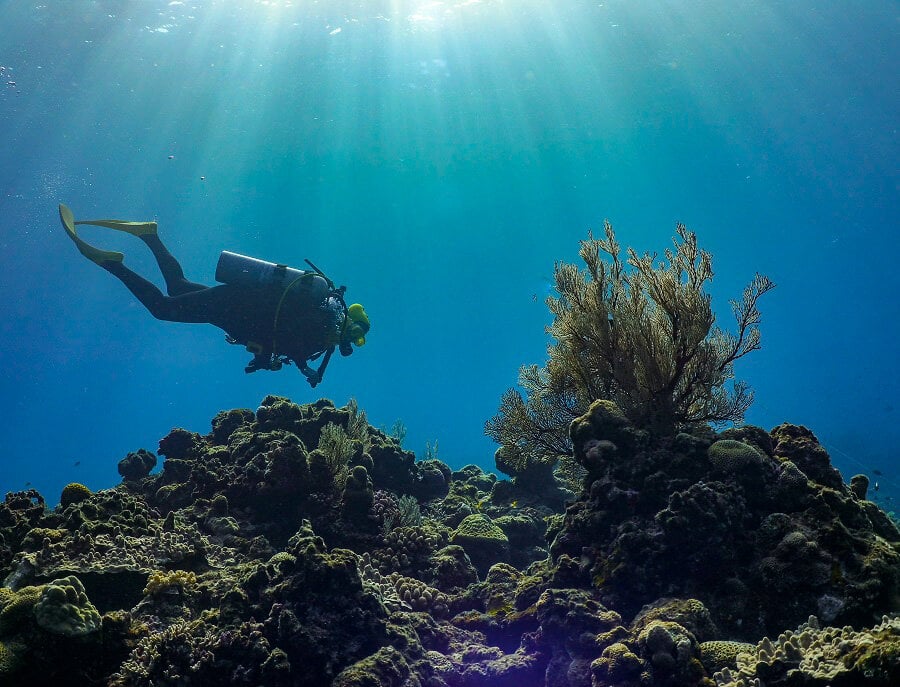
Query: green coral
[859,486]
[34,538]
[617,664]
[17,607]
[65,609]
[477,528]
[483,541]
[728,455]
[137,465]
[721,654]
[74,493]
[410,512]
[406,550]
[328,463]
[9,661]
[878,660]
[6,594]
[387,666]
[358,425]
[358,496]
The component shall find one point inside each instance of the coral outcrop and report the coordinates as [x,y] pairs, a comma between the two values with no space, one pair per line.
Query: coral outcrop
[759,527]
[296,545]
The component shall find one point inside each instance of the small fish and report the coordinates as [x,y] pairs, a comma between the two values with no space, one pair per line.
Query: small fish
[876,486]
[76,463]
[877,472]
[171,157]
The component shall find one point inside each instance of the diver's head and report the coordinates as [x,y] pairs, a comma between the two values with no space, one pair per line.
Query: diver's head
[356,326]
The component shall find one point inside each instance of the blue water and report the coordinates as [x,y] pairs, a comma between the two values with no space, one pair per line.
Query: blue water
[438,158]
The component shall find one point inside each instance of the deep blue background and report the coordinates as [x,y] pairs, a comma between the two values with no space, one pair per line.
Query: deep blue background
[438,158]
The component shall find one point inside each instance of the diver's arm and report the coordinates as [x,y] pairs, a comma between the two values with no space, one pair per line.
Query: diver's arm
[261,361]
[312,376]
[315,376]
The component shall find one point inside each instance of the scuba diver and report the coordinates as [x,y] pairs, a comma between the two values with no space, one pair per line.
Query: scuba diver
[281,314]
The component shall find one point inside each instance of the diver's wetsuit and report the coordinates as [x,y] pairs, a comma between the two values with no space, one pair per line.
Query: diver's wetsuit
[247,314]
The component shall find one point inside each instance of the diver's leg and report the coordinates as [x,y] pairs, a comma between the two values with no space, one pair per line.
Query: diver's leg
[171,270]
[194,306]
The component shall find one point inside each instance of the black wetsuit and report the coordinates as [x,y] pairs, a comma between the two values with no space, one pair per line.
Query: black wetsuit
[246,314]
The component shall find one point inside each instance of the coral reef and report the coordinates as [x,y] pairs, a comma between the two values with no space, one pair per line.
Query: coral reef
[820,656]
[296,545]
[763,534]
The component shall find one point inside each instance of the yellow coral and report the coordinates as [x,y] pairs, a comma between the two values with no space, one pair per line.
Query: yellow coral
[163,581]
[9,661]
[720,654]
[6,595]
[617,663]
[282,557]
[18,608]
[34,538]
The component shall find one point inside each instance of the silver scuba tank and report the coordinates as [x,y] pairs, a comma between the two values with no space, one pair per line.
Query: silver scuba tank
[234,268]
[308,288]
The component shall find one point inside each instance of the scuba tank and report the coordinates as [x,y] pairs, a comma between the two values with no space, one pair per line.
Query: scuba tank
[301,291]
[298,288]
[242,270]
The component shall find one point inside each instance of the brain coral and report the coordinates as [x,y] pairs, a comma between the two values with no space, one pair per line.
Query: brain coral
[732,456]
[720,654]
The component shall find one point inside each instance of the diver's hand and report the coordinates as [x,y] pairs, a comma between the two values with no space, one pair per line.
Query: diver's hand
[312,376]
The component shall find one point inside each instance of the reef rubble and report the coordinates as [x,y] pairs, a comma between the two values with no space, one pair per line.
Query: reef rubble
[296,545]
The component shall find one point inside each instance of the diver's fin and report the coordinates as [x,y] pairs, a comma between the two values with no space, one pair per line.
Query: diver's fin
[133,228]
[87,250]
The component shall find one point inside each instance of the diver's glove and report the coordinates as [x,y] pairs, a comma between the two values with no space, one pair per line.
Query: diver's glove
[312,376]
[259,362]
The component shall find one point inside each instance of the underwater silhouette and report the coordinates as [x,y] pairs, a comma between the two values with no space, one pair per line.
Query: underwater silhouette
[279,313]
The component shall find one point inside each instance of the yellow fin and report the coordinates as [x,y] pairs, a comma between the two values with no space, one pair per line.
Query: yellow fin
[92,253]
[133,228]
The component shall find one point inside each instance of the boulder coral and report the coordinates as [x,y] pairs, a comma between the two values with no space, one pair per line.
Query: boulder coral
[64,609]
[484,542]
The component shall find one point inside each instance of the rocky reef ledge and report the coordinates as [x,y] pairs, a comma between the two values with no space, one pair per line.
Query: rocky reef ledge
[297,545]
